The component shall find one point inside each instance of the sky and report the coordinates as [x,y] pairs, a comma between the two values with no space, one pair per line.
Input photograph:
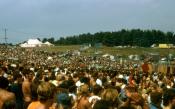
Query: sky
[25,19]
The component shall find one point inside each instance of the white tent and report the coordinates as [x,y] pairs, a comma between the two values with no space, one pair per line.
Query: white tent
[48,44]
[153,45]
[32,43]
[110,56]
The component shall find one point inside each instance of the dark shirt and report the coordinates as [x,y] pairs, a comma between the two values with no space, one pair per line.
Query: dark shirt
[17,90]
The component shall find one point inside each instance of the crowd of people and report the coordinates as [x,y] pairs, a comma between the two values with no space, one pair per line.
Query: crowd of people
[35,79]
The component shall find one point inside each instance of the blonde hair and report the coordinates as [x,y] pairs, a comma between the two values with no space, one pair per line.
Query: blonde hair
[109,94]
[45,91]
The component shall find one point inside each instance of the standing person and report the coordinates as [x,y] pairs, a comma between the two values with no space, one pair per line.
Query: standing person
[6,96]
[145,68]
[83,100]
[45,93]
[111,95]
[16,88]
[95,95]
[134,101]
[28,76]
[156,100]
[64,101]
[169,99]
[34,85]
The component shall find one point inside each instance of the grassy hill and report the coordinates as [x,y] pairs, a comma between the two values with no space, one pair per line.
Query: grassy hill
[111,50]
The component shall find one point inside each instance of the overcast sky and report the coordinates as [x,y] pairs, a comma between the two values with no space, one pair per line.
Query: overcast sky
[26,19]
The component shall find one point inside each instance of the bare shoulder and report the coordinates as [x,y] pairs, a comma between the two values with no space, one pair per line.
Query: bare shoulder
[5,95]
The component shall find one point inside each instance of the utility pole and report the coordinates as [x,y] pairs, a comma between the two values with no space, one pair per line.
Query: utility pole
[5,36]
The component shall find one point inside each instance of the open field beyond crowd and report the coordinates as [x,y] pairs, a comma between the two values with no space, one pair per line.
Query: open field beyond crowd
[111,50]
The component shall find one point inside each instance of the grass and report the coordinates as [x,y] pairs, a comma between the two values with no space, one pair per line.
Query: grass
[60,48]
[111,50]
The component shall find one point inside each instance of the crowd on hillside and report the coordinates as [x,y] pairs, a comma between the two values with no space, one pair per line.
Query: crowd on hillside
[36,79]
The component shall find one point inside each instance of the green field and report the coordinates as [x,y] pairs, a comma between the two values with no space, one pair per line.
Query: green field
[111,50]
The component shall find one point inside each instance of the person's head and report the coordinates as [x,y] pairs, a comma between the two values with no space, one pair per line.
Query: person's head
[136,99]
[109,94]
[156,97]
[18,78]
[96,89]
[84,89]
[10,104]
[102,104]
[85,80]
[28,74]
[34,86]
[45,91]
[72,89]
[64,100]
[39,75]
[129,90]
[3,82]
[169,98]
[60,77]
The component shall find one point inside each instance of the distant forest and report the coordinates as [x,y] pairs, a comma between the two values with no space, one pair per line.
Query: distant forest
[134,37]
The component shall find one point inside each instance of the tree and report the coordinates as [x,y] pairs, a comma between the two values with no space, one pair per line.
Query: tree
[51,40]
[44,40]
[134,37]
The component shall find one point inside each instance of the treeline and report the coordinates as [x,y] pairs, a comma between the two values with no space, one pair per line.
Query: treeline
[134,37]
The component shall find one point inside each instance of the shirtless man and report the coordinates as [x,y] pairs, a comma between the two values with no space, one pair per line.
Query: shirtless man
[83,102]
[28,76]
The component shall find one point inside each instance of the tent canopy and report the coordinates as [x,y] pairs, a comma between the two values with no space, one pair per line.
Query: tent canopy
[31,43]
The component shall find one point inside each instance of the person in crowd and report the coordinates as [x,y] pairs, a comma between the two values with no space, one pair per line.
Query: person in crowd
[45,100]
[34,85]
[95,95]
[156,100]
[1,72]
[102,104]
[129,90]
[83,97]
[70,73]
[134,101]
[169,99]
[111,95]
[64,101]
[28,76]
[16,88]
[7,99]
[10,104]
